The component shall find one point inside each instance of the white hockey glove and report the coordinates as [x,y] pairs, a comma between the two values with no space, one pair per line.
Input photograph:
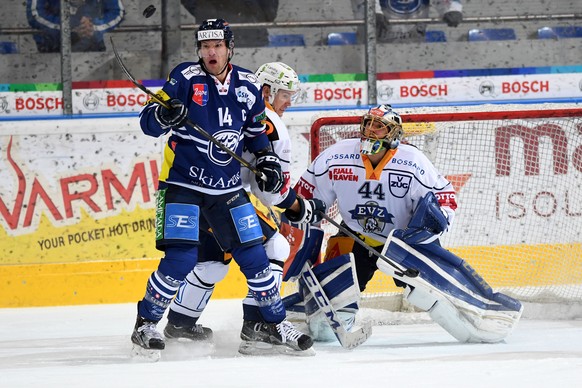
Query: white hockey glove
[175,117]
[309,212]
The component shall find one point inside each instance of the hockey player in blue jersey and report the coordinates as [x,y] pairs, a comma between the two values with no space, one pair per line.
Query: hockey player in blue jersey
[200,185]
[279,84]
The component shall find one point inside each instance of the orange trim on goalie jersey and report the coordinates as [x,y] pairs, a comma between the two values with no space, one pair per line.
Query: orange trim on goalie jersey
[375,173]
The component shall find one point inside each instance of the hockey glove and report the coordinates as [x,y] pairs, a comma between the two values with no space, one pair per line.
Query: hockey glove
[427,224]
[309,212]
[268,163]
[174,117]
[453,18]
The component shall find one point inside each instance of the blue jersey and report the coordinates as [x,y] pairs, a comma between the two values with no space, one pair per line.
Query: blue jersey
[232,112]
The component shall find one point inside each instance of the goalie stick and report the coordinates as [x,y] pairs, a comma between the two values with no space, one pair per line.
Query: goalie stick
[198,128]
[409,272]
[347,339]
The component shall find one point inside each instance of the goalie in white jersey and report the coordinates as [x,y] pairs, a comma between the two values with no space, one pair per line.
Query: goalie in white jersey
[377,182]
[392,198]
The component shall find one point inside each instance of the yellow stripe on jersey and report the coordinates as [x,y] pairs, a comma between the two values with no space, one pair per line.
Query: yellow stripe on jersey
[162,95]
[265,213]
[375,173]
[169,156]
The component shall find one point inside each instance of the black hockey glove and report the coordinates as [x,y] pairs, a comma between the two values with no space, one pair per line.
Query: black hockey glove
[268,163]
[309,212]
[453,18]
[175,117]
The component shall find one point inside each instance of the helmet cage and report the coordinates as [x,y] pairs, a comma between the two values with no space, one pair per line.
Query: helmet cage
[278,76]
[390,120]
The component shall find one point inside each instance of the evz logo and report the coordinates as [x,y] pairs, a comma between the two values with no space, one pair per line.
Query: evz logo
[399,184]
[372,217]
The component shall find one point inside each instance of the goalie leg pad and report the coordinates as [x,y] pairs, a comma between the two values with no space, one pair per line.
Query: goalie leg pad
[464,304]
[340,285]
[347,339]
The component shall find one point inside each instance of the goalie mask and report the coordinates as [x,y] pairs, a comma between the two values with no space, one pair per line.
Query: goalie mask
[278,76]
[381,128]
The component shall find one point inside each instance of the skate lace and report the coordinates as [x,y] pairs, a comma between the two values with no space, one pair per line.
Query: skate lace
[288,331]
[149,330]
[197,328]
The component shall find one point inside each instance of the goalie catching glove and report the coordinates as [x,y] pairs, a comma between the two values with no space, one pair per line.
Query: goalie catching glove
[174,117]
[309,211]
[269,165]
[428,222]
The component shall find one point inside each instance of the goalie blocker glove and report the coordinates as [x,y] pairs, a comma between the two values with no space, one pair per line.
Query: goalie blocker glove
[309,211]
[268,164]
[174,117]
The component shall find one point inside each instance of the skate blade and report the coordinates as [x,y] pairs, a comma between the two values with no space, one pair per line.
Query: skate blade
[141,354]
[184,340]
[257,348]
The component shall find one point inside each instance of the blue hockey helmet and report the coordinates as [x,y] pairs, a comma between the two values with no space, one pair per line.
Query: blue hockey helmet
[215,29]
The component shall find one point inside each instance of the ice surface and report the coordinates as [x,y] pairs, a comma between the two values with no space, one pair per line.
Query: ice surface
[89,346]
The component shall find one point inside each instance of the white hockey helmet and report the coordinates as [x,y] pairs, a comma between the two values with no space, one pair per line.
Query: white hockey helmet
[390,120]
[278,76]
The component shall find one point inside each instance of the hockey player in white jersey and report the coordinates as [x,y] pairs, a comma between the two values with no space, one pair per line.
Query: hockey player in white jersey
[451,12]
[391,197]
[279,84]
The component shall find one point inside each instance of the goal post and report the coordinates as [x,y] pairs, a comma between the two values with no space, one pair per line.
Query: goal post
[518,177]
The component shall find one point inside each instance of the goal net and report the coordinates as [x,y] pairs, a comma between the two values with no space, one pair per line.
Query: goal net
[518,177]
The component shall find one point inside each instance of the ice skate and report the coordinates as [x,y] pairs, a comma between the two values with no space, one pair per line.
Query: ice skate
[260,338]
[148,342]
[194,333]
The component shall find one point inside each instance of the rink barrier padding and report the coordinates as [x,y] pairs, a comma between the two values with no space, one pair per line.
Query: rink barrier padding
[124,281]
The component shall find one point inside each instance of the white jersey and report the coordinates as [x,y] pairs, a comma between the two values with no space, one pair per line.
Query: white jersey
[281,143]
[374,201]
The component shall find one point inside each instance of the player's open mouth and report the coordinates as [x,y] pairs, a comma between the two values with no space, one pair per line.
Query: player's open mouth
[213,62]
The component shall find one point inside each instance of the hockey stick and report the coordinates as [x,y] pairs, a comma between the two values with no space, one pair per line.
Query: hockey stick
[198,128]
[347,339]
[409,272]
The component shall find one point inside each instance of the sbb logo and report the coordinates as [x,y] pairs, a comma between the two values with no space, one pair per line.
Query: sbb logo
[423,91]
[126,100]
[525,87]
[39,103]
[338,94]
